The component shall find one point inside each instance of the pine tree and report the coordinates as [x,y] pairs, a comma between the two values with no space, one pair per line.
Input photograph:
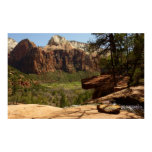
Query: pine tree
[126,53]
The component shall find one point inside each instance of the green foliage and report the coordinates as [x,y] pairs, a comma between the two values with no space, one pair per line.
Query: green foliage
[83,97]
[63,100]
[62,77]
[62,91]
[105,65]
[137,76]
[126,54]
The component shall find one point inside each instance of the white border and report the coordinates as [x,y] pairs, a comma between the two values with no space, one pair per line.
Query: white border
[66,16]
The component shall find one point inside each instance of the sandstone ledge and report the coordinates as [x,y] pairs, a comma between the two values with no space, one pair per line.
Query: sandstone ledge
[35,111]
[132,95]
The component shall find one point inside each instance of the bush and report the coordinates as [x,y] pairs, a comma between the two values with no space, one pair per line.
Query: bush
[137,76]
[63,100]
[83,97]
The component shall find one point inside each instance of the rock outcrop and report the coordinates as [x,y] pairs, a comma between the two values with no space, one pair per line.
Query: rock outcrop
[11,44]
[34,111]
[111,109]
[128,96]
[96,81]
[57,42]
[104,84]
[59,54]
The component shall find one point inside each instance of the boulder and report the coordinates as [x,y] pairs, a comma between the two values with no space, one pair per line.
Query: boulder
[111,109]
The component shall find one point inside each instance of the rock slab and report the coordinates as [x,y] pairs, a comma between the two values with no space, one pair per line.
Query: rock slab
[34,111]
[111,109]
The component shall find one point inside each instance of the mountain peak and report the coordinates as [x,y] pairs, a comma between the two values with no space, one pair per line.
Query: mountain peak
[59,54]
[11,44]
[27,42]
[57,40]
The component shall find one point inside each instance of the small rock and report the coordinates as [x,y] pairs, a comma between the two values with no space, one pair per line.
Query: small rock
[111,109]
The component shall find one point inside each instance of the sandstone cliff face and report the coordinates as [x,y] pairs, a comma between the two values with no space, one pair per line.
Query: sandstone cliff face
[87,49]
[11,44]
[61,42]
[59,54]
[79,45]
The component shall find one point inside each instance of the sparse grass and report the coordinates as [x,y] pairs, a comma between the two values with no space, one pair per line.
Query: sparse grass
[66,85]
[62,77]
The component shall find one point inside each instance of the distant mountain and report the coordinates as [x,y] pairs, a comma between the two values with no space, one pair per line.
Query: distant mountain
[58,40]
[11,44]
[59,54]
[79,45]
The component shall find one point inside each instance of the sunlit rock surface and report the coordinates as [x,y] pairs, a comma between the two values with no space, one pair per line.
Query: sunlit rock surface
[11,44]
[59,54]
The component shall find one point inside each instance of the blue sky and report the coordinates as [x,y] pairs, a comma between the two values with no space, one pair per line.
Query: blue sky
[41,39]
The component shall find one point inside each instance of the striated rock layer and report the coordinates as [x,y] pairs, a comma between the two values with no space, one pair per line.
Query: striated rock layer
[59,54]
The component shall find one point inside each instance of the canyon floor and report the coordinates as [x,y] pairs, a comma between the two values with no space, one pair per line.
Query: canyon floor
[35,111]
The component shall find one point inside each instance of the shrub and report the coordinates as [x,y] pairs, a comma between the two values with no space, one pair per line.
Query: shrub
[63,100]
[137,75]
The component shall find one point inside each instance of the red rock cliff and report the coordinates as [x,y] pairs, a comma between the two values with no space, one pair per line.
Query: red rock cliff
[59,54]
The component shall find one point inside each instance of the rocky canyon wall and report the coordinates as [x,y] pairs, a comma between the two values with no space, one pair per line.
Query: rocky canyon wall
[59,54]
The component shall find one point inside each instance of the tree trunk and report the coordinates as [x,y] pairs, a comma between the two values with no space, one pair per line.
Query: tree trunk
[113,57]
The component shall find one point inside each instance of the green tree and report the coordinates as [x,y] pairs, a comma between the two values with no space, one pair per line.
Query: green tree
[136,59]
[126,54]
[107,42]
